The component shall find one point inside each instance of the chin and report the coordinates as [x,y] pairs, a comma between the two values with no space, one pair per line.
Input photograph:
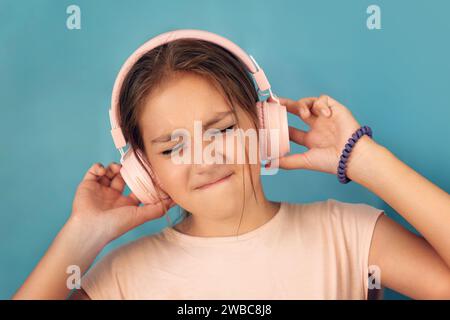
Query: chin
[218,201]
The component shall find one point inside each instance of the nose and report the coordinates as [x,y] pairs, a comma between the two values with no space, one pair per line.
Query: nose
[206,169]
[208,154]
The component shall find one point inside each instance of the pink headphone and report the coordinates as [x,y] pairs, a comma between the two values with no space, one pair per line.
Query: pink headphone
[272,115]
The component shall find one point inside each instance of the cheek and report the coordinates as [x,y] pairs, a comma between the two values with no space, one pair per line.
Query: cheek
[248,173]
[172,176]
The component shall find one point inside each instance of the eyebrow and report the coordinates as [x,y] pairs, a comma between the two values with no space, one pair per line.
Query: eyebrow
[218,116]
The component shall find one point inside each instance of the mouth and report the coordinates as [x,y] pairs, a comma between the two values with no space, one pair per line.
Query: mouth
[215,183]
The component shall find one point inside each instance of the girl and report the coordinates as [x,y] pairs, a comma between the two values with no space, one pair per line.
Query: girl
[233,242]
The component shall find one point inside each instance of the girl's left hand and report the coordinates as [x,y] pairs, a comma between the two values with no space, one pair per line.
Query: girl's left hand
[327,136]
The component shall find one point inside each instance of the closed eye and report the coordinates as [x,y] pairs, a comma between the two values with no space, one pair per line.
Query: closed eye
[169,151]
[224,130]
[229,128]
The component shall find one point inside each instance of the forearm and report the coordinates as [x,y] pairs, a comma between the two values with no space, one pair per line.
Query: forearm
[424,205]
[72,246]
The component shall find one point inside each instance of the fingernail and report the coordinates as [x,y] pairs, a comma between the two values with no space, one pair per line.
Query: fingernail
[325,112]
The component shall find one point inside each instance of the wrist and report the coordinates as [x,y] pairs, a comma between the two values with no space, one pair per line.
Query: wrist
[72,247]
[80,236]
[364,159]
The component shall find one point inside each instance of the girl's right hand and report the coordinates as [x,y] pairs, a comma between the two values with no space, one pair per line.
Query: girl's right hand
[101,209]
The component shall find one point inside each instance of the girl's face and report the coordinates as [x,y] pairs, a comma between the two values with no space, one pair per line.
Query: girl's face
[181,101]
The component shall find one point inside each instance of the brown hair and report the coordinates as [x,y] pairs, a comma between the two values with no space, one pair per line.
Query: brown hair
[222,68]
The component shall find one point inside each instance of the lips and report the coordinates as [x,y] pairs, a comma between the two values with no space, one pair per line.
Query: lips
[213,182]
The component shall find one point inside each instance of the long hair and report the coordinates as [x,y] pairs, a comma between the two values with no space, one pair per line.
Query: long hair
[215,63]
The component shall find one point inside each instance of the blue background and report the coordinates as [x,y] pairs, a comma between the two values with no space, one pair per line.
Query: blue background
[56,83]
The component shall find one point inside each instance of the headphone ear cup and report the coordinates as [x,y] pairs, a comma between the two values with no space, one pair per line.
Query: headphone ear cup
[262,131]
[276,123]
[285,146]
[137,179]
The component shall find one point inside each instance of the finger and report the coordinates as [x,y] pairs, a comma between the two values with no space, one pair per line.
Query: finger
[137,201]
[333,102]
[111,172]
[321,107]
[133,196]
[112,169]
[294,106]
[297,135]
[116,167]
[114,175]
[152,211]
[118,183]
[287,102]
[95,171]
[300,107]
[294,161]
[306,105]
[169,204]
[105,181]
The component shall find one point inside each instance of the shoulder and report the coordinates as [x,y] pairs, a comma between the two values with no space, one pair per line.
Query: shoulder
[141,249]
[332,214]
[110,277]
[357,213]
[131,257]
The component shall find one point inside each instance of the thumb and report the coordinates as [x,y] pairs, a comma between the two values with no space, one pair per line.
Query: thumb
[152,211]
[295,161]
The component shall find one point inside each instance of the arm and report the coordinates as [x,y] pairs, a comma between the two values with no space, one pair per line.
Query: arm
[100,214]
[79,295]
[72,246]
[418,267]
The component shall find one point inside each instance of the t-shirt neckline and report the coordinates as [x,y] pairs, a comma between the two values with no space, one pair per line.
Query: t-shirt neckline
[178,236]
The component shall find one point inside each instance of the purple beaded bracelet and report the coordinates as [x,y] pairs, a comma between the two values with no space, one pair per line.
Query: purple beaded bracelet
[346,152]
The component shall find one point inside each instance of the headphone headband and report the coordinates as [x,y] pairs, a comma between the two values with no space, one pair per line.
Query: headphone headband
[248,61]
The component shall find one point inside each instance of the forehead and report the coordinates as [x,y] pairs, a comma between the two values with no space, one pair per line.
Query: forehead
[180,101]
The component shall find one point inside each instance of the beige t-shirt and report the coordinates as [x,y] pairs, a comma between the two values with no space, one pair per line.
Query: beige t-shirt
[315,250]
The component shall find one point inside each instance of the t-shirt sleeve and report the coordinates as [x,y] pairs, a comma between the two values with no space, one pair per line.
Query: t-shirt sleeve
[357,222]
[101,281]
